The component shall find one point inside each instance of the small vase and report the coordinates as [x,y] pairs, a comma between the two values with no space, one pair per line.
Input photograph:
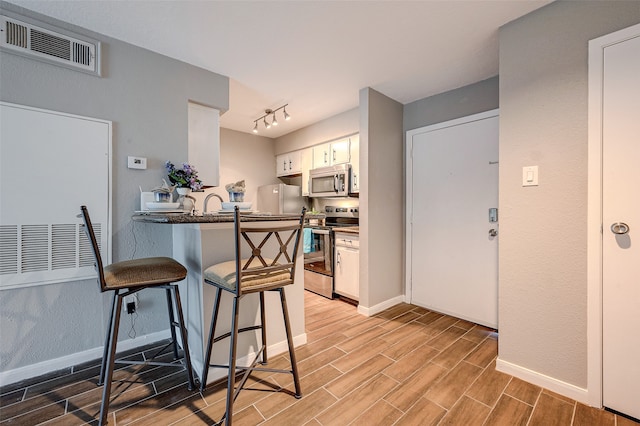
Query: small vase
[181,194]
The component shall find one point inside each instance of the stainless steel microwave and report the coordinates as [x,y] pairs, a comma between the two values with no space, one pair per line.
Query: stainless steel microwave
[332,181]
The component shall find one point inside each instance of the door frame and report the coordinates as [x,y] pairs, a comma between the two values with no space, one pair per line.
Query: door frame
[409,186]
[594,209]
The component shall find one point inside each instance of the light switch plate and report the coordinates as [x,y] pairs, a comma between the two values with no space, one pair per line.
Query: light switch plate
[530,176]
[137,162]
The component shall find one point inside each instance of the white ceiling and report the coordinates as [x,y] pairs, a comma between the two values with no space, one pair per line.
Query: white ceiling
[313,55]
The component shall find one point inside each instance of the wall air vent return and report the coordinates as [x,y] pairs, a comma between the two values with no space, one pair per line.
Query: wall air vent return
[49,45]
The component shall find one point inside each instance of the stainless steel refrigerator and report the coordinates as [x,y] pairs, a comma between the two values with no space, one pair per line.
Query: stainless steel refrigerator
[280,198]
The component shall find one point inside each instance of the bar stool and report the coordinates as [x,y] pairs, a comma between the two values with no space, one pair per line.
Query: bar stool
[126,278]
[252,272]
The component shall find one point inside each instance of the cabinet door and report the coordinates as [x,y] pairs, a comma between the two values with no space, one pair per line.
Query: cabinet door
[321,155]
[355,164]
[347,263]
[340,152]
[282,165]
[295,162]
[288,164]
[306,160]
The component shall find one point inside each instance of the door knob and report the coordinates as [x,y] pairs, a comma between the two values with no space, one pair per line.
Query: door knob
[620,228]
[493,232]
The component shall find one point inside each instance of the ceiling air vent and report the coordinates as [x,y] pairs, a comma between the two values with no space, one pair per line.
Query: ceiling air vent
[52,46]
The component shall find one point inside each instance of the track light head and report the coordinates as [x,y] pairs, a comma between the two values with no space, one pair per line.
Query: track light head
[274,122]
[286,116]
[266,123]
[255,126]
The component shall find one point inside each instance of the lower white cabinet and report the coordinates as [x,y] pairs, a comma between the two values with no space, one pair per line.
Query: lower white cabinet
[346,277]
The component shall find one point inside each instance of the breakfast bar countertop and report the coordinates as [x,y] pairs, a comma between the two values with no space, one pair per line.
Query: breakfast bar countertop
[183,218]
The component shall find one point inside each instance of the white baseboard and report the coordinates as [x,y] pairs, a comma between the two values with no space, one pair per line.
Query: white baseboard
[555,385]
[40,368]
[380,306]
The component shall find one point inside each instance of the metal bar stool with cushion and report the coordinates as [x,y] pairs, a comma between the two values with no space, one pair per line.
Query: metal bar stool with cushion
[128,277]
[255,273]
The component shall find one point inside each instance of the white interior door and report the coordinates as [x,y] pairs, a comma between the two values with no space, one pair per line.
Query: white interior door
[452,183]
[621,227]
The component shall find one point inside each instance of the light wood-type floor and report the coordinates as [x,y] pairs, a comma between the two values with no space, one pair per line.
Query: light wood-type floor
[404,366]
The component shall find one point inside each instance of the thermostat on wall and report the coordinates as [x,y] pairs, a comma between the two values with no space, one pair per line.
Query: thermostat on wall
[137,162]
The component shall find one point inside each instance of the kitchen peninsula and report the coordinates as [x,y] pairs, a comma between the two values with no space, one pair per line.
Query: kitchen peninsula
[201,241]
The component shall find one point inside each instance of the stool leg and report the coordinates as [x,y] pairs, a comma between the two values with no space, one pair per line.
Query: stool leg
[185,337]
[233,344]
[107,340]
[263,326]
[292,354]
[106,390]
[172,323]
[212,330]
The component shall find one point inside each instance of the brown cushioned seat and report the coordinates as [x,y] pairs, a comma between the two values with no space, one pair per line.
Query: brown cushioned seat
[256,273]
[124,279]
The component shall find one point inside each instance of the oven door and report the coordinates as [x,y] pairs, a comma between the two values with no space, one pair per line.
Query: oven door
[318,263]
[320,258]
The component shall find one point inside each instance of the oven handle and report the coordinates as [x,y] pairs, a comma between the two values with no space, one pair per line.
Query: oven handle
[320,231]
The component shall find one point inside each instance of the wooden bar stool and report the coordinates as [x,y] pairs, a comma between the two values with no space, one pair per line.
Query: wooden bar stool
[129,277]
[253,272]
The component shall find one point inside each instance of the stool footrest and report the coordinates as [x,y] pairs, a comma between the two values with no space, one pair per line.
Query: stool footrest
[240,330]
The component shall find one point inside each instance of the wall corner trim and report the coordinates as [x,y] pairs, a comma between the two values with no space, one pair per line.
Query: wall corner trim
[380,306]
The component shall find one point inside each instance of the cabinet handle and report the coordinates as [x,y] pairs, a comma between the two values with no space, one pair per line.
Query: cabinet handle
[334,155]
[325,157]
[284,165]
[355,180]
[338,259]
[290,165]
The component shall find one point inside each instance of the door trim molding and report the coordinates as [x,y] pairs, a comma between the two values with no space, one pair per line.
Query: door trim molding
[409,179]
[594,209]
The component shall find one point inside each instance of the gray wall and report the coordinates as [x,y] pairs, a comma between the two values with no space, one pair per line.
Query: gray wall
[472,99]
[339,125]
[381,199]
[543,238]
[145,95]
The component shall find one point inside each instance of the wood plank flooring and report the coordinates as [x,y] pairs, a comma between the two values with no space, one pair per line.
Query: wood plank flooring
[404,366]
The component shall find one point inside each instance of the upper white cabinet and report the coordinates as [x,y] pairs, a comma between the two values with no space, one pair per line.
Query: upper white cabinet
[355,164]
[331,153]
[307,162]
[289,163]
[204,142]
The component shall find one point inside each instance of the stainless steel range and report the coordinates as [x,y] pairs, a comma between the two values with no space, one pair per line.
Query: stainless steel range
[318,261]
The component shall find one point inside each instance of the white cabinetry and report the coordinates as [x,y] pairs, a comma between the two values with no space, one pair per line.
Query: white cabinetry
[289,163]
[346,277]
[204,142]
[355,164]
[306,160]
[331,153]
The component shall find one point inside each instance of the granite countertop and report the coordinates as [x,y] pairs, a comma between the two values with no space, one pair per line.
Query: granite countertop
[348,230]
[178,218]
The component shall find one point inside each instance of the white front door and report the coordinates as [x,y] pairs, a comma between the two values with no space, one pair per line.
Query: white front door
[452,182]
[621,227]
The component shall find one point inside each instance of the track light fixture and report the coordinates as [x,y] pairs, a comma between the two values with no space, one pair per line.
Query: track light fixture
[274,120]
